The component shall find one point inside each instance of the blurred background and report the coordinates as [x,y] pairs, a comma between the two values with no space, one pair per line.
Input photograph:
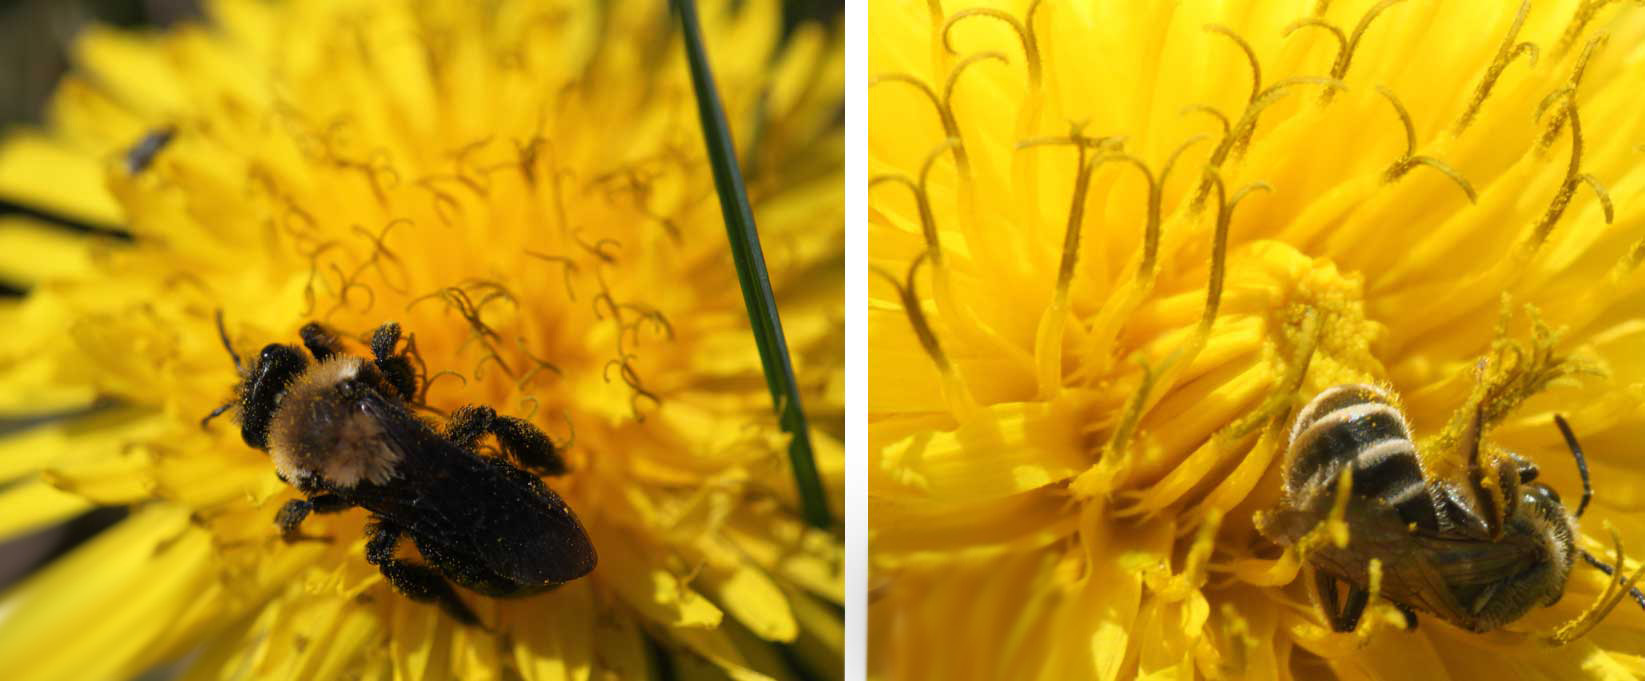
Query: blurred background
[35,35]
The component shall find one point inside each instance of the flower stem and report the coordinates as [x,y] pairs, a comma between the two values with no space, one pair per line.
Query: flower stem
[751,272]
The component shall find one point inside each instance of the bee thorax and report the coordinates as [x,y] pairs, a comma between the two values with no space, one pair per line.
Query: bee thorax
[320,431]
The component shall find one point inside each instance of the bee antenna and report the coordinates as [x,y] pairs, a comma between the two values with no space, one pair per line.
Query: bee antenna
[215,413]
[1581,467]
[1609,571]
[222,333]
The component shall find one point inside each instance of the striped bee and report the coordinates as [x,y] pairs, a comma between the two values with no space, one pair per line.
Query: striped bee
[1444,547]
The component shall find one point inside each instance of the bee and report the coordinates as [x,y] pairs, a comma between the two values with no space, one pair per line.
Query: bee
[1444,548]
[340,430]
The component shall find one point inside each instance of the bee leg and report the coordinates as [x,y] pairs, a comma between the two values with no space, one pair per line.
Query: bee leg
[319,341]
[464,572]
[517,437]
[468,424]
[1352,609]
[1581,466]
[394,367]
[1410,617]
[528,445]
[291,515]
[1325,587]
[417,582]
[1608,570]
[1345,617]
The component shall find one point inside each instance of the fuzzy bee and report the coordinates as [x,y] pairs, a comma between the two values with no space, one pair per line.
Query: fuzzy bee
[1444,547]
[340,430]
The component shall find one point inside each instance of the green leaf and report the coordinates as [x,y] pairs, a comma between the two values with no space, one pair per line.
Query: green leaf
[751,272]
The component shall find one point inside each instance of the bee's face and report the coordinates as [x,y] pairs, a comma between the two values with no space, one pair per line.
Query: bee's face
[1541,522]
[1555,528]
[268,377]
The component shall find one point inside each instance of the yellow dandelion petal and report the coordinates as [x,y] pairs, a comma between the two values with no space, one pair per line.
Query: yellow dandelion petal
[1447,209]
[31,252]
[522,187]
[161,569]
[30,503]
[59,176]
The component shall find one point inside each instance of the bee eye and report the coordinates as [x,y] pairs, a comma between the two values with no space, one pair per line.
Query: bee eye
[1536,493]
[269,352]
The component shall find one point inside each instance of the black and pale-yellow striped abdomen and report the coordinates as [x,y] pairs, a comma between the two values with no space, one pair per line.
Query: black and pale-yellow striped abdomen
[1359,426]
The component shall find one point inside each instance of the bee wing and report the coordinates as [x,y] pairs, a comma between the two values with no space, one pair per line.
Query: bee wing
[1456,576]
[1472,562]
[484,509]
[543,542]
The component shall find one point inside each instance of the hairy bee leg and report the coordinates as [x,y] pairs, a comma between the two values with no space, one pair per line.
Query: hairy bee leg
[417,582]
[396,369]
[398,372]
[465,572]
[468,424]
[319,341]
[384,338]
[528,445]
[291,515]
[517,437]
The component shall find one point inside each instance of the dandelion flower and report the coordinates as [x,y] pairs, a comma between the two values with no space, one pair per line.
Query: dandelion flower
[1118,246]
[523,188]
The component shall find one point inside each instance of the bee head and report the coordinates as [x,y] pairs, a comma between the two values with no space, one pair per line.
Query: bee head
[264,385]
[1551,525]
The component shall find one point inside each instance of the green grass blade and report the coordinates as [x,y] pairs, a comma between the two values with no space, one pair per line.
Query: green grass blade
[751,272]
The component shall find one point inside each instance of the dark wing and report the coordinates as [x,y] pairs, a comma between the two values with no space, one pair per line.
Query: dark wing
[1449,576]
[482,511]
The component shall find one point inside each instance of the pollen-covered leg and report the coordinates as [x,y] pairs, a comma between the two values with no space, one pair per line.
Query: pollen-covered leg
[417,582]
[396,369]
[291,515]
[319,341]
[517,438]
